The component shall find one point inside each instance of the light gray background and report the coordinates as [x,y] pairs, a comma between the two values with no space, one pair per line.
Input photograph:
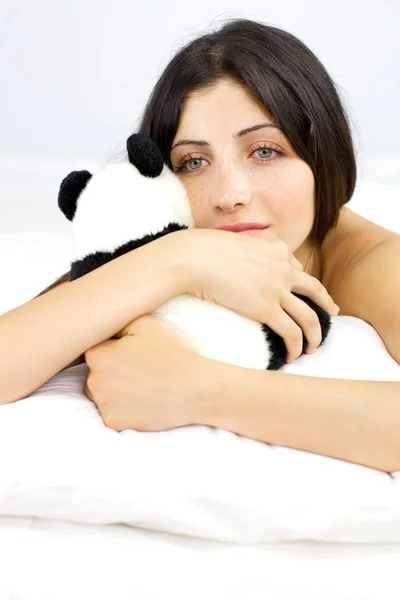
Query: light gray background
[75,76]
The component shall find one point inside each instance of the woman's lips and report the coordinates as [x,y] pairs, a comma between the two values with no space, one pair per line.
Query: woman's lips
[252,231]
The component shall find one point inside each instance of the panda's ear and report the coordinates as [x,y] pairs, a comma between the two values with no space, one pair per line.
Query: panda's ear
[144,154]
[70,190]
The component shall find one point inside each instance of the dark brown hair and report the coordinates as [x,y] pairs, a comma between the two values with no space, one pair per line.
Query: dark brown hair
[289,81]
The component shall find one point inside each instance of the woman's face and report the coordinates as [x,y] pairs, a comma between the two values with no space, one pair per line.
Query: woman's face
[232,177]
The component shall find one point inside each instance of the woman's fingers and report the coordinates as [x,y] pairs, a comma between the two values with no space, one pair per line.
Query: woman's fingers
[298,319]
[293,320]
[309,286]
[295,263]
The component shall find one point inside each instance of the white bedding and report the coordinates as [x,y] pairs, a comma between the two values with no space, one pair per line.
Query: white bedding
[56,560]
[64,463]
[60,463]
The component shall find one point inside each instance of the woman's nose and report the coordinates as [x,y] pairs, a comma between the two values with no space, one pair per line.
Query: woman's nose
[232,189]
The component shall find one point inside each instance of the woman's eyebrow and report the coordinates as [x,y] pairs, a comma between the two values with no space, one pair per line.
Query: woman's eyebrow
[255,127]
[239,134]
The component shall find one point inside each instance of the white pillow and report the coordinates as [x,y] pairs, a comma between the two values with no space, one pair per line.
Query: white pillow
[59,461]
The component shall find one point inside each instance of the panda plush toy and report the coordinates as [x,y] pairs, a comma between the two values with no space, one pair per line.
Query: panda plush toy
[128,204]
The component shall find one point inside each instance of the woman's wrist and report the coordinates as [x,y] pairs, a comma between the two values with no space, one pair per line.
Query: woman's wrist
[214,386]
[179,260]
[158,269]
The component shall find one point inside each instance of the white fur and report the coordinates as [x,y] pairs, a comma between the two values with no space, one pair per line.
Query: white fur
[118,205]
[217,332]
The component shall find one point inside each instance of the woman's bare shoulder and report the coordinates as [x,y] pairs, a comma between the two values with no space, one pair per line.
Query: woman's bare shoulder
[353,238]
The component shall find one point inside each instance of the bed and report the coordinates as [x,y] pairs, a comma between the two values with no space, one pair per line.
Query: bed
[86,512]
[57,560]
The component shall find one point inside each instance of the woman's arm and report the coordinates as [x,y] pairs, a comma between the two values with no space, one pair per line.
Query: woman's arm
[44,335]
[355,421]
[150,380]
[61,281]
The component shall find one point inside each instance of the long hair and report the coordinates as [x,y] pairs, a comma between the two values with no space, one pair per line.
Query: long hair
[289,81]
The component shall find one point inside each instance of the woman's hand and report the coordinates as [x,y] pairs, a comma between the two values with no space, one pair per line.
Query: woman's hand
[148,380]
[255,277]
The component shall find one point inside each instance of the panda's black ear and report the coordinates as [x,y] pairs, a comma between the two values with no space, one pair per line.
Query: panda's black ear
[70,190]
[144,154]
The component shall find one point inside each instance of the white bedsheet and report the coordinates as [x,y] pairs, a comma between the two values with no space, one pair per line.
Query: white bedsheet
[55,560]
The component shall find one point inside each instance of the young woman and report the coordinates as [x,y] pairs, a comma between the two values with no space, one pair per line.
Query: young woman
[251,122]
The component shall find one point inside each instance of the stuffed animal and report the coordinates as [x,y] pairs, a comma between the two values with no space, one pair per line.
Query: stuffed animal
[128,204]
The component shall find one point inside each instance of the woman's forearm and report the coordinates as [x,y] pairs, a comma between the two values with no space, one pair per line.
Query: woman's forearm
[44,335]
[355,421]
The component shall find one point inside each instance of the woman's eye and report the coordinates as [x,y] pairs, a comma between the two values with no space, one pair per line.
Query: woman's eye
[194,164]
[264,152]
[188,165]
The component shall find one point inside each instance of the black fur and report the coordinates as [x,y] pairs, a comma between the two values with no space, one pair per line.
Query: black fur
[70,189]
[277,345]
[144,154]
[97,259]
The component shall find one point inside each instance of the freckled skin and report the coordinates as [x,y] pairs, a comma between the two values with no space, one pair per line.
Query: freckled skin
[230,180]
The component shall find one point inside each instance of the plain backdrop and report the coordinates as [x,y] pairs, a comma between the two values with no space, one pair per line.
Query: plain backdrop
[75,76]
